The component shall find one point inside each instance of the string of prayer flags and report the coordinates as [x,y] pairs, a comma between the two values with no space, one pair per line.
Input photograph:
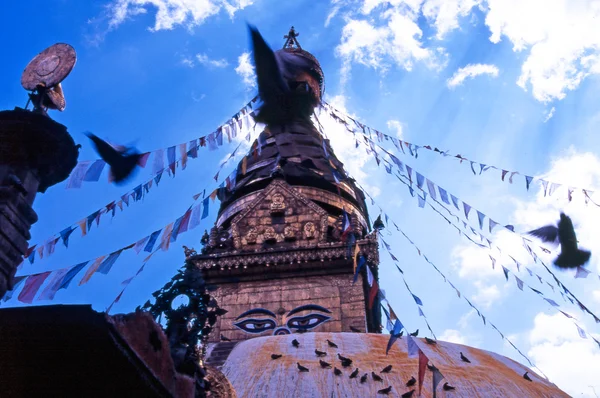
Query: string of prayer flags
[340,117]
[85,224]
[447,281]
[90,171]
[466,207]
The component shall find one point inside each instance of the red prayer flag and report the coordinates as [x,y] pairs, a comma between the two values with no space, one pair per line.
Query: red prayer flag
[32,285]
[143,159]
[422,367]
[373,293]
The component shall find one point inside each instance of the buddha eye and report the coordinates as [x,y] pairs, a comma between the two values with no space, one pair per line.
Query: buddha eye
[255,325]
[307,322]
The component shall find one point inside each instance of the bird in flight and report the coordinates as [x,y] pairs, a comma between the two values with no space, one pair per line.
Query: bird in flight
[122,161]
[564,234]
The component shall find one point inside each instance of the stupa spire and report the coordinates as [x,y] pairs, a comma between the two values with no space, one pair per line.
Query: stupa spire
[290,39]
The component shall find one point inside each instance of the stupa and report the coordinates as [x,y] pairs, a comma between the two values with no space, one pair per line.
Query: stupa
[281,259]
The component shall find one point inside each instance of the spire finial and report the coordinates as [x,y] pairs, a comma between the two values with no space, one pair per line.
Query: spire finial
[291,41]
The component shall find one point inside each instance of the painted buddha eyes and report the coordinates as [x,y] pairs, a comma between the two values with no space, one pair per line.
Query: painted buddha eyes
[289,324]
[307,322]
[255,325]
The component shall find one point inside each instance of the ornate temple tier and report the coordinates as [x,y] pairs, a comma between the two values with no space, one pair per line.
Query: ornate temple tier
[253,373]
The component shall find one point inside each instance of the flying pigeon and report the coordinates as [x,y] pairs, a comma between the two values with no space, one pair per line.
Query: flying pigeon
[295,343]
[411,382]
[337,372]
[354,374]
[431,367]
[408,394]
[324,364]
[223,338]
[320,353]
[301,368]
[378,224]
[464,358]
[276,356]
[279,86]
[430,341]
[363,378]
[448,387]
[376,377]
[564,234]
[331,344]
[387,369]
[122,161]
[526,376]
[385,390]
[415,333]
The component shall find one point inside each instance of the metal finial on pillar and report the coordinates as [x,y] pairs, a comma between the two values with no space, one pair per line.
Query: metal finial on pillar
[291,41]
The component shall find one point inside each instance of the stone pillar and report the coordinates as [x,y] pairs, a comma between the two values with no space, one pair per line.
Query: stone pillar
[35,153]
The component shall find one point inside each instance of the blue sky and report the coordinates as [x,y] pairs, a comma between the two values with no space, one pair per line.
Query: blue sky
[507,83]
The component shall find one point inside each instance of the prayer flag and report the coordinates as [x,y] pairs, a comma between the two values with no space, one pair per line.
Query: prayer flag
[423,360]
[143,159]
[455,201]
[581,272]
[551,302]
[78,174]
[71,274]
[467,209]
[437,378]
[409,172]
[171,158]
[528,180]
[481,217]
[17,282]
[373,293]
[193,151]
[140,244]
[107,264]
[422,200]
[443,195]
[159,162]
[420,180]
[183,154]
[204,208]
[31,287]
[94,171]
[166,237]
[413,348]
[417,300]
[370,278]
[53,285]
[152,241]
[431,188]
[519,283]
[195,216]
[93,268]
[581,332]
[505,272]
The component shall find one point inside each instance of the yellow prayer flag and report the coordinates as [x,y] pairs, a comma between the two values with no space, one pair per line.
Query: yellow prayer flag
[83,226]
[91,270]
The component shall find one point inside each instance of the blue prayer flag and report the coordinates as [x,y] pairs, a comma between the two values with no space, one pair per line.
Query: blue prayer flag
[71,274]
[152,241]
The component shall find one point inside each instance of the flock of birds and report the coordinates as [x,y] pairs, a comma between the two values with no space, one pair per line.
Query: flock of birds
[347,362]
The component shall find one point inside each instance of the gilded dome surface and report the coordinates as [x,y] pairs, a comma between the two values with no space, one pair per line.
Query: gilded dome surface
[253,373]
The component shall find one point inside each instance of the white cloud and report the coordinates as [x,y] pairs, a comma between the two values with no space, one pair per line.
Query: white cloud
[170,13]
[246,70]
[486,294]
[471,71]
[390,37]
[343,144]
[549,114]
[445,14]
[554,344]
[562,36]
[569,361]
[396,126]
[453,336]
[211,63]
[187,61]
